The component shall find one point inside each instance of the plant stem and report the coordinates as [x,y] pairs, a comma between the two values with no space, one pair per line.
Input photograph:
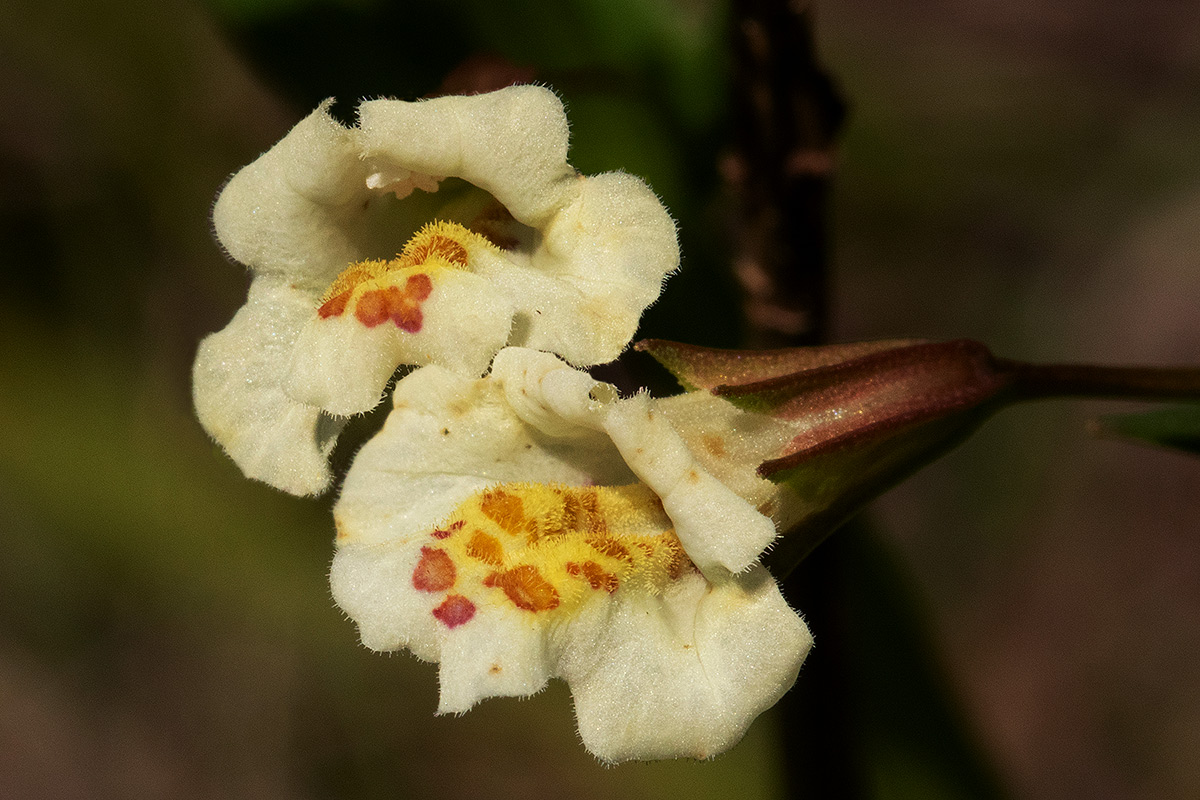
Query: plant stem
[1041,381]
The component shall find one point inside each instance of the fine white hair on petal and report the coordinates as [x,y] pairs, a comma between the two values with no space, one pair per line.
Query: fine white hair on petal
[718,529]
[296,210]
[511,143]
[614,245]
[547,394]
[731,442]
[686,673]
[565,263]
[509,658]
[678,667]
[236,383]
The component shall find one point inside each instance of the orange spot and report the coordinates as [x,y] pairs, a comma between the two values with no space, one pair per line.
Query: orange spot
[525,587]
[594,574]
[678,562]
[485,548]
[714,444]
[595,522]
[504,509]
[611,548]
[435,571]
[334,306]
[580,511]
[572,512]
[419,250]
[693,476]
[532,530]
[448,531]
[372,306]
[454,611]
[401,306]
[495,669]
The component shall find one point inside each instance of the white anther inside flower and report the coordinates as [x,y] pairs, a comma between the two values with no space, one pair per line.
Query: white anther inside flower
[531,525]
[351,278]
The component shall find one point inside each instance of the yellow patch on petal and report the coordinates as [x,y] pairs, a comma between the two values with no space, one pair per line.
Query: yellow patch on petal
[547,548]
[378,290]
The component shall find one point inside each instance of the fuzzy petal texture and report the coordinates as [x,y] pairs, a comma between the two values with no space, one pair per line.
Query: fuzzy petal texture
[495,527]
[651,677]
[719,529]
[433,232]
[237,382]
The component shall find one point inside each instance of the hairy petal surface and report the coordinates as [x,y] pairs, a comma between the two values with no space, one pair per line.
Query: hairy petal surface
[237,390]
[519,250]
[495,526]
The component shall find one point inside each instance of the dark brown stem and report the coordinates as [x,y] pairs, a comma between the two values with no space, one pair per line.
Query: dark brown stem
[1042,381]
[787,115]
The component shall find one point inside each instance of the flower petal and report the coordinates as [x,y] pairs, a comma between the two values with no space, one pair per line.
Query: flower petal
[373,584]
[730,442]
[237,386]
[343,363]
[493,527]
[718,529]
[683,674]
[447,438]
[602,260]
[499,654]
[511,143]
[297,211]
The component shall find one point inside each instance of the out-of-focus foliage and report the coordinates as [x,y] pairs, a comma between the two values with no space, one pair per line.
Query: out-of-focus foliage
[1177,427]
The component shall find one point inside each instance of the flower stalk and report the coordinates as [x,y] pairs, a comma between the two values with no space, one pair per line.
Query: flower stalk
[863,417]
[1045,381]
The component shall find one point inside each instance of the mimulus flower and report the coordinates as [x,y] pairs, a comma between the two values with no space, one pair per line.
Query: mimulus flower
[531,525]
[433,232]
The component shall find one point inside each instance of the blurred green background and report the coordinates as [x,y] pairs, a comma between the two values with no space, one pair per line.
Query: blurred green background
[1025,174]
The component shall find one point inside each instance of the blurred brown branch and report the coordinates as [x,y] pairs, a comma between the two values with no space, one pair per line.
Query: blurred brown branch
[787,114]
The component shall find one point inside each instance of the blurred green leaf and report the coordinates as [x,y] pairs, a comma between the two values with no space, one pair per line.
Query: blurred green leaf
[676,48]
[1177,427]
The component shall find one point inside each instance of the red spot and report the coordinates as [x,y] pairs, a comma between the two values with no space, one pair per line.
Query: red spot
[419,286]
[594,574]
[334,306]
[401,306]
[525,587]
[449,530]
[408,318]
[454,611]
[435,571]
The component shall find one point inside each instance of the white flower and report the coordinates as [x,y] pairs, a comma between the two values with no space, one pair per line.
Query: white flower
[351,279]
[531,525]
